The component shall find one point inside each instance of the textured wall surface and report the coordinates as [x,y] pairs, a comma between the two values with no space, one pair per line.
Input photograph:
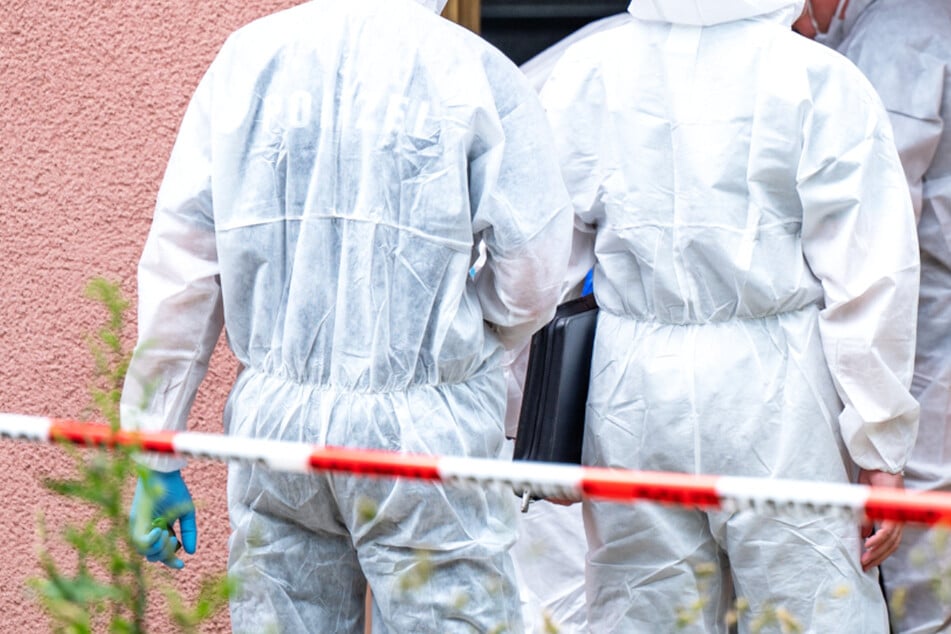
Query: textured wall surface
[92,95]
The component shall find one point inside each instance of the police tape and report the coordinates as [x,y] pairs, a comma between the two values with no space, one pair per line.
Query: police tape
[555,481]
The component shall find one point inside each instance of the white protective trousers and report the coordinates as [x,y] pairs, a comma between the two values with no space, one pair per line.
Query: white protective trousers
[904,48]
[334,172]
[757,273]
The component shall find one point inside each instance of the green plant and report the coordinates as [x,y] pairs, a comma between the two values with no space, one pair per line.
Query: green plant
[769,616]
[107,586]
[931,556]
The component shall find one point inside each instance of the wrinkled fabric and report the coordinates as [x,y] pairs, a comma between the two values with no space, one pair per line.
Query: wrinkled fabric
[539,67]
[304,547]
[549,555]
[738,190]
[334,172]
[904,48]
[917,581]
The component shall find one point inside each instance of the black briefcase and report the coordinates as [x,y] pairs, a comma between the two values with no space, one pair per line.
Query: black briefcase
[551,421]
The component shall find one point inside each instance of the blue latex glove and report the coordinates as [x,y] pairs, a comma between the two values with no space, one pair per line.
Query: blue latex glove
[160,500]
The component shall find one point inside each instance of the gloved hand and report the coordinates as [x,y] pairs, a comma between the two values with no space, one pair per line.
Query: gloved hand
[160,500]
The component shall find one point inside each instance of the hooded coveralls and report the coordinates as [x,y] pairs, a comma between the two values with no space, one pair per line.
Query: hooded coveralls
[333,173]
[757,272]
[904,48]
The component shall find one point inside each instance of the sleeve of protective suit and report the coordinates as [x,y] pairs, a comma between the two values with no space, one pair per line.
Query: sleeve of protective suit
[914,107]
[581,259]
[521,210]
[179,295]
[859,238]
[573,98]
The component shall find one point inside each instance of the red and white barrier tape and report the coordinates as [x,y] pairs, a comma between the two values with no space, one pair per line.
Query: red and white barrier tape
[555,481]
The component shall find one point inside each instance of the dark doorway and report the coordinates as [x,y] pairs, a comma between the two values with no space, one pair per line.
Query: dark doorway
[523,28]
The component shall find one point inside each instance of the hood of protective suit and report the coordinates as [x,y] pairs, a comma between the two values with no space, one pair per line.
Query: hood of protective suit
[710,12]
[435,5]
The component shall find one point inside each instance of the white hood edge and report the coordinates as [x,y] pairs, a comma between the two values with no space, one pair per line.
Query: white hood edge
[710,12]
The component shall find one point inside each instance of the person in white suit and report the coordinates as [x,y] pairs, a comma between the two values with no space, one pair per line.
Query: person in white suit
[738,191]
[904,48]
[334,173]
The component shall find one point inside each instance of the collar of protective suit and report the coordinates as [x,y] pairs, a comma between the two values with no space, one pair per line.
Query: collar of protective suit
[435,5]
[710,12]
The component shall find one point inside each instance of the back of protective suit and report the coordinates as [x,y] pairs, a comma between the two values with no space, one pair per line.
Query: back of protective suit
[336,168]
[700,143]
[332,178]
[756,267]
[344,204]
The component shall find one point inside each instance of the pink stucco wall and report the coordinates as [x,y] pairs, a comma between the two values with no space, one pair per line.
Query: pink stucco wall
[90,100]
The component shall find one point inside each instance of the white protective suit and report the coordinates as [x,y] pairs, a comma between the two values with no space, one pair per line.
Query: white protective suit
[757,272]
[333,172]
[550,551]
[538,69]
[904,48]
